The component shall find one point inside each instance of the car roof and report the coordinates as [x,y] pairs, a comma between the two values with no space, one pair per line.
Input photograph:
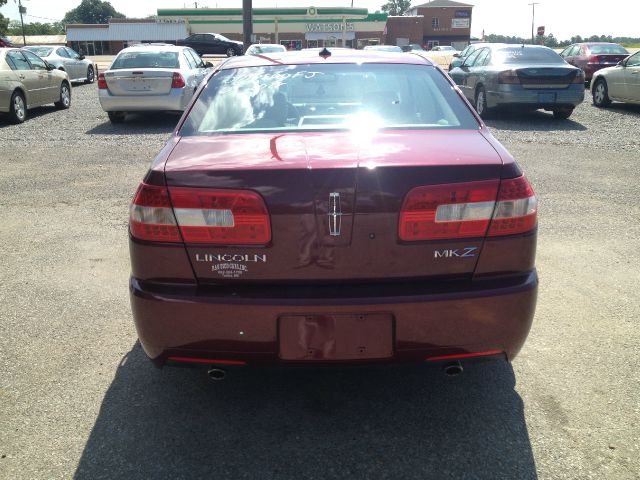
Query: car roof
[266,45]
[312,56]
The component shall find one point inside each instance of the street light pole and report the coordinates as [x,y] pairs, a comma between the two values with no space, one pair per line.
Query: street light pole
[247,22]
[22,10]
[533,19]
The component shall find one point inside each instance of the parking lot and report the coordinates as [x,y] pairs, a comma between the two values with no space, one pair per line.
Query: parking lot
[78,398]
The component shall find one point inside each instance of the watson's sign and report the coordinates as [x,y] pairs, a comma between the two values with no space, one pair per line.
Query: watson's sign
[330,27]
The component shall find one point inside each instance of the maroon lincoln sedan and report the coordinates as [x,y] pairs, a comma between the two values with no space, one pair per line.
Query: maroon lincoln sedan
[332,208]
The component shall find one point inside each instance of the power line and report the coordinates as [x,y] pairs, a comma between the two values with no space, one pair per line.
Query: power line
[44,18]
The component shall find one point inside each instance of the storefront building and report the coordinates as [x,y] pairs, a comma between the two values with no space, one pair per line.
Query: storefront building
[294,27]
[444,22]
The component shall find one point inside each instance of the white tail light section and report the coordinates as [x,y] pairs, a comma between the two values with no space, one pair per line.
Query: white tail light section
[472,209]
[221,217]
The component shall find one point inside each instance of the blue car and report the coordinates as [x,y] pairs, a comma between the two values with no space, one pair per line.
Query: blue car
[521,77]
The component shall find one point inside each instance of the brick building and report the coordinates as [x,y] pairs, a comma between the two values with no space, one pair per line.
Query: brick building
[439,22]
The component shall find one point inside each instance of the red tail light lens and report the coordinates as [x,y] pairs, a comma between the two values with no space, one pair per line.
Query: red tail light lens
[516,208]
[473,209]
[151,217]
[221,217]
[454,210]
[177,81]
[509,77]
[102,82]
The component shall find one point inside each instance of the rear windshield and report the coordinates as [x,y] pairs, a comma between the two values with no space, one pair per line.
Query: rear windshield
[40,51]
[604,49]
[327,96]
[527,55]
[146,60]
[268,49]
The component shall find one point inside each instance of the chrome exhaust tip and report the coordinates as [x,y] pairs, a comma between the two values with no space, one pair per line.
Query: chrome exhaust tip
[217,374]
[453,369]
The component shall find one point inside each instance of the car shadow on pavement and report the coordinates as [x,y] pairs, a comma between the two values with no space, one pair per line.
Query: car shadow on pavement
[31,114]
[361,422]
[138,124]
[532,121]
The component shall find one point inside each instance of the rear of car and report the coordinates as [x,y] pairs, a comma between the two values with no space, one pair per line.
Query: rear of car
[265,49]
[345,209]
[591,57]
[150,78]
[521,78]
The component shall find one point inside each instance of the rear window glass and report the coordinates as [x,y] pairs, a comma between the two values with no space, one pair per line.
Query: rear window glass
[268,49]
[604,49]
[146,60]
[40,51]
[327,96]
[527,55]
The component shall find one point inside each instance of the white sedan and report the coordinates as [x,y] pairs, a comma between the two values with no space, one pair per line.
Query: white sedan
[153,77]
[620,83]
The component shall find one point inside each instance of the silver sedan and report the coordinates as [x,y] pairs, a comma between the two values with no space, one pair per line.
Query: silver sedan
[79,68]
[153,77]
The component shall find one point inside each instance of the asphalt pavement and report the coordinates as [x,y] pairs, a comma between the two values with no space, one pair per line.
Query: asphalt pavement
[78,398]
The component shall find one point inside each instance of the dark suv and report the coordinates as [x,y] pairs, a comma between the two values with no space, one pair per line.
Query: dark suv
[212,43]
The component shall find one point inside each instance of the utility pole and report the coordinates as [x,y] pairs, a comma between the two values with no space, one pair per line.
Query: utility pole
[247,22]
[22,10]
[533,19]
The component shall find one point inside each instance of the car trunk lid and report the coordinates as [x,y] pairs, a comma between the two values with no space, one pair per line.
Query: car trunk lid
[334,202]
[147,81]
[546,77]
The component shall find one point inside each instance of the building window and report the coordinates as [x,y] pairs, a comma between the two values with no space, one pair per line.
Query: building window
[435,22]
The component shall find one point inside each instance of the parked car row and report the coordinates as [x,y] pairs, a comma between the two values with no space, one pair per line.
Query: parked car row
[27,81]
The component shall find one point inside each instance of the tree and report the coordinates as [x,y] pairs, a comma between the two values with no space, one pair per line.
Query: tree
[37,28]
[4,22]
[396,7]
[92,11]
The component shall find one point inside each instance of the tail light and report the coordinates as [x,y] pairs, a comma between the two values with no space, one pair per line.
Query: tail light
[579,78]
[509,77]
[594,59]
[151,217]
[516,208]
[472,209]
[177,81]
[447,211]
[219,217]
[102,82]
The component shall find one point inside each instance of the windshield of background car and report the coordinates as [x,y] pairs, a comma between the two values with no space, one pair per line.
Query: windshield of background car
[604,49]
[40,51]
[526,55]
[146,60]
[327,97]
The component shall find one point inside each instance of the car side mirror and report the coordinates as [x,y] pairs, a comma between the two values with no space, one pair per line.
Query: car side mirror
[80,57]
[208,65]
[456,55]
[622,63]
[49,66]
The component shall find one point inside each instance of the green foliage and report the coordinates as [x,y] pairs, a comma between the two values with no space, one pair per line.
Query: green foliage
[552,42]
[92,11]
[37,28]
[4,22]
[396,7]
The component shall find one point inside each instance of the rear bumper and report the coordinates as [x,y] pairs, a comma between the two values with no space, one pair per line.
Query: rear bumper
[515,95]
[175,100]
[241,324]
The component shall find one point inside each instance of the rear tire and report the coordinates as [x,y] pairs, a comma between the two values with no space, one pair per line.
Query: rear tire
[563,113]
[600,93]
[116,117]
[17,108]
[231,52]
[65,97]
[481,104]
[91,75]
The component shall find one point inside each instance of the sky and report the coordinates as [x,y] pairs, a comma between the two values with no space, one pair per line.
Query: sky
[563,18]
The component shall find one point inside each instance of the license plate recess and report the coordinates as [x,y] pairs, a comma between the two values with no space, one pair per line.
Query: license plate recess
[336,337]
